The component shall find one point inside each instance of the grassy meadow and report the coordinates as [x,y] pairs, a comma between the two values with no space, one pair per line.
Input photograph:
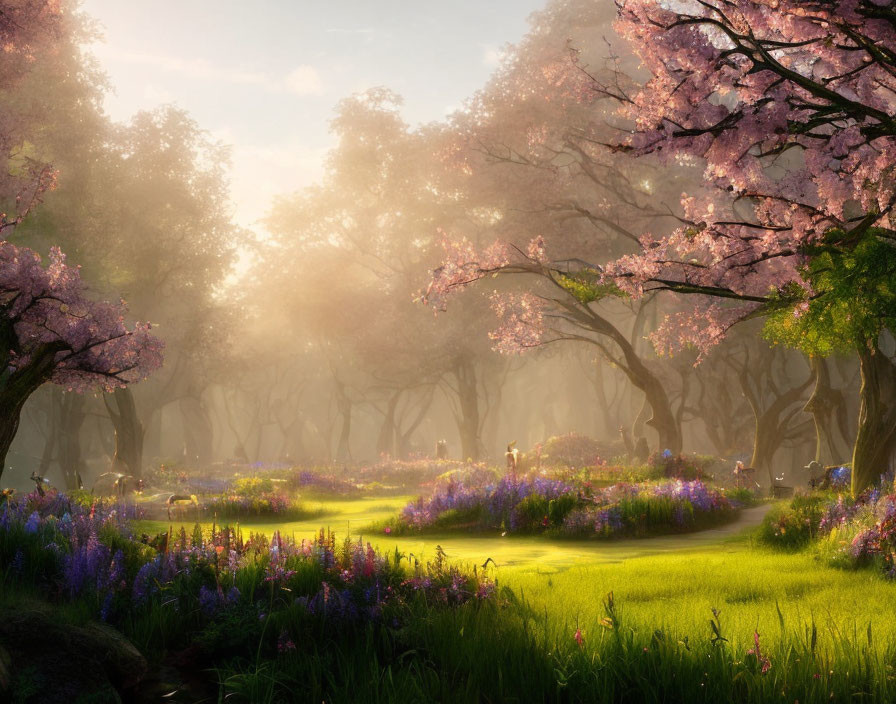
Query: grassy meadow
[707,616]
[669,583]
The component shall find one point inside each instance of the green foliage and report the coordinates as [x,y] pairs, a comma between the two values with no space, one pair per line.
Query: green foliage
[854,298]
[741,496]
[791,526]
[537,511]
[235,630]
[253,486]
[681,466]
[657,639]
[459,519]
[586,287]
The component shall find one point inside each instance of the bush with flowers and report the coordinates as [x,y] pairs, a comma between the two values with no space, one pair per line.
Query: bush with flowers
[406,475]
[321,482]
[846,531]
[667,464]
[537,504]
[794,525]
[571,450]
[257,497]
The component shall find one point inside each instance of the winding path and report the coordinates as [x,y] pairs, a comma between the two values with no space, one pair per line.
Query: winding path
[550,555]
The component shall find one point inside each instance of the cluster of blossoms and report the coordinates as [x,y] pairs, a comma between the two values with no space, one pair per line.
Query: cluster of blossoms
[232,505]
[840,478]
[522,315]
[840,512]
[780,67]
[69,550]
[861,530]
[536,504]
[321,483]
[73,551]
[491,506]
[47,310]
[874,544]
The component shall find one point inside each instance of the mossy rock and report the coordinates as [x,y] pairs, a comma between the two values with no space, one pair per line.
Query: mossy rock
[53,661]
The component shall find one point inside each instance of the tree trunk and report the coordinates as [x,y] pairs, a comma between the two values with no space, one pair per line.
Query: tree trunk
[468,422]
[72,417]
[823,405]
[765,445]
[876,438]
[641,446]
[403,435]
[773,421]
[344,405]
[662,419]
[10,410]
[16,386]
[638,373]
[52,438]
[198,440]
[604,426]
[128,458]
[385,442]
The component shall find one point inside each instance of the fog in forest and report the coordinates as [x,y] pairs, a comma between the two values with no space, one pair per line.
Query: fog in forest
[321,332]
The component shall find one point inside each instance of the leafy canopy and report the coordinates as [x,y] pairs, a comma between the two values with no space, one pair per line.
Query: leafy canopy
[852,298]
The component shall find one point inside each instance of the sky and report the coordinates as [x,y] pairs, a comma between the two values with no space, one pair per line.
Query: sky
[265,76]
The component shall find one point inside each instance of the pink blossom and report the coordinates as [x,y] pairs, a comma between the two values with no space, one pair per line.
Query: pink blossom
[48,313]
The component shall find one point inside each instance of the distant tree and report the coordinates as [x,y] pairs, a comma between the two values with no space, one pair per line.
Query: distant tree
[346,258]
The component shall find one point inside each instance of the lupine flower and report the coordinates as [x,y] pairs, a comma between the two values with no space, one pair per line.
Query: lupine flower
[358,582]
[33,523]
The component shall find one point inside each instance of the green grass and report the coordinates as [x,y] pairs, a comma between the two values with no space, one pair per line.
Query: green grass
[829,636]
[335,513]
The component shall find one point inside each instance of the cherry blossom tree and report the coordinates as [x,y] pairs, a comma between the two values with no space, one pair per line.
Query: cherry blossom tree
[791,109]
[32,33]
[527,160]
[561,307]
[51,331]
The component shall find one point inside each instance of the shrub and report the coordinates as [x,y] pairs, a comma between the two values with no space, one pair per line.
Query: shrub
[571,450]
[526,504]
[794,525]
[667,465]
[253,486]
[320,483]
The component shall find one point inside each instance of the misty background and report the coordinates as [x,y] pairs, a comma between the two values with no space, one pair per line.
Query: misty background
[269,184]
